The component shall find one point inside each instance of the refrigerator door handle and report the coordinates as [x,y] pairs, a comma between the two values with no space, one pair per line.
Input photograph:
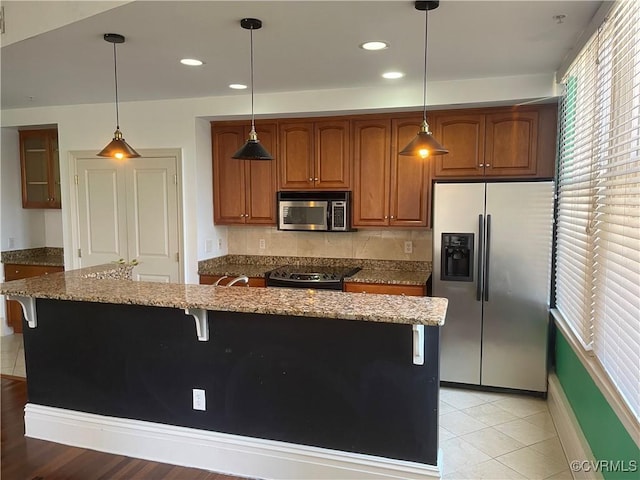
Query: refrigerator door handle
[486,261]
[480,250]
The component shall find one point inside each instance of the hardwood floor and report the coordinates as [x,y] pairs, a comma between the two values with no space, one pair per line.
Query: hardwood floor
[30,459]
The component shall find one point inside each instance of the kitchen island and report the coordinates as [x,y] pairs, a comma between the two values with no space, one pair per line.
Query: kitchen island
[268,383]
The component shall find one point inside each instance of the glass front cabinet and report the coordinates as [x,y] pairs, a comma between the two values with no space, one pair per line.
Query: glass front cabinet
[40,168]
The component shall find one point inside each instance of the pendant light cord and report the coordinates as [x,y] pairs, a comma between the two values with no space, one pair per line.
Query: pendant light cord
[424,83]
[115,70]
[253,128]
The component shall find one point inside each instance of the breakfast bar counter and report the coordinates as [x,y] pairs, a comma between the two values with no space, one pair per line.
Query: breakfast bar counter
[265,383]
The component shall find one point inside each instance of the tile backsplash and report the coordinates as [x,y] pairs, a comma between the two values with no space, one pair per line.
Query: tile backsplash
[384,244]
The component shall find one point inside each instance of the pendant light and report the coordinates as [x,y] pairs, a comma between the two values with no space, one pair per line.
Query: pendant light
[117,148]
[253,149]
[424,145]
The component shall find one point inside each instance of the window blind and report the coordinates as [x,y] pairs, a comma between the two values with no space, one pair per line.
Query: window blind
[576,190]
[598,247]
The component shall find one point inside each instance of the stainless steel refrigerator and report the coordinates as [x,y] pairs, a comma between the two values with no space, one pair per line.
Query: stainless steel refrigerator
[492,260]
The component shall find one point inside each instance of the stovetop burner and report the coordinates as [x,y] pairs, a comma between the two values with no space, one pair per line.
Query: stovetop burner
[309,276]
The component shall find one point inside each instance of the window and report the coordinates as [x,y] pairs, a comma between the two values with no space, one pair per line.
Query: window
[598,226]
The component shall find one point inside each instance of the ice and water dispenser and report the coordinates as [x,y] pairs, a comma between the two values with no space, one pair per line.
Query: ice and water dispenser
[457,257]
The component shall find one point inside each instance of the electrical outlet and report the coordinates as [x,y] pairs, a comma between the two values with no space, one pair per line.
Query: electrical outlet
[208,245]
[199,399]
[263,244]
[12,242]
[408,246]
[219,244]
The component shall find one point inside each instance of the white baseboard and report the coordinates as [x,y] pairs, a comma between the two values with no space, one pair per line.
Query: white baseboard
[219,452]
[574,443]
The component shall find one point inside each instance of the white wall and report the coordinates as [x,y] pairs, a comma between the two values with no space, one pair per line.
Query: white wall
[20,227]
[183,124]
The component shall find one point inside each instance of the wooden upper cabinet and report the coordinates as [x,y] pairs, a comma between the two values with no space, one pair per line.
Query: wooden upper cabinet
[260,178]
[410,178]
[295,159]
[463,135]
[332,166]
[40,168]
[314,155]
[371,172]
[511,143]
[243,190]
[496,143]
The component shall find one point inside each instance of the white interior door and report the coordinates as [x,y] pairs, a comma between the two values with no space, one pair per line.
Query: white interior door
[130,210]
[101,211]
[152,218]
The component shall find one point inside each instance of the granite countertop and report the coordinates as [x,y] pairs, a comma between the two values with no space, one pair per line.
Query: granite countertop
[43,256]
[101,284]
[389,272]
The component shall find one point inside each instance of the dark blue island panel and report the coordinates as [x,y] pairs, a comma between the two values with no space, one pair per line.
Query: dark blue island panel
[338,384]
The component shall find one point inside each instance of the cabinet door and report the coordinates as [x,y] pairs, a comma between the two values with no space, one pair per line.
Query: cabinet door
[371,167]
[332,167]
[511,148]
[385,289]
[295,159]
[410,178]
[463,135]
[229,203]
[37,151]
[260,179]
[54,171]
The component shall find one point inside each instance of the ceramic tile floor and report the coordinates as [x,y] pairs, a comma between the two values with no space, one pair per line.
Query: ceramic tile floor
[12,355]
[498,436]
[482,435]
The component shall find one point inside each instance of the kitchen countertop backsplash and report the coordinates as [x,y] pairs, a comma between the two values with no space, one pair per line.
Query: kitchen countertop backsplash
[42,256]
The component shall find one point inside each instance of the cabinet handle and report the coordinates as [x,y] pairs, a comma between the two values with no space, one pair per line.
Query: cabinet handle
[392,217]
[315,179]
[487,165]
[481,165]
[310,179]
[386,216]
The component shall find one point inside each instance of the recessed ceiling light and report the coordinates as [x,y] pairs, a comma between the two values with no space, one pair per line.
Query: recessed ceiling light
[392,75]
[192,62]
[374,45]
[237,86]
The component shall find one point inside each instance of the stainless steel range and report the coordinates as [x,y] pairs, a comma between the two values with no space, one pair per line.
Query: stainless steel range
[309,276]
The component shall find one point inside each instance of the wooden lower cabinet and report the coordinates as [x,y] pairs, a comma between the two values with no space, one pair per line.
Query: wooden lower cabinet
[14,271]
[253,281]
[381,288]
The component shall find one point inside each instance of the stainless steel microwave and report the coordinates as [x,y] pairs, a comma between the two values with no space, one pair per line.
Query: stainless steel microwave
[314,211]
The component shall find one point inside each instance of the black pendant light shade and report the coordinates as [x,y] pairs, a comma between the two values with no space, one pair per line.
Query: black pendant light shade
[253,149]
[118,148]
[424,145]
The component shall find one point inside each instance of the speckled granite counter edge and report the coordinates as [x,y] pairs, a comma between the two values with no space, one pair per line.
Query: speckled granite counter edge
[41,256]
[100,284]
[393,272]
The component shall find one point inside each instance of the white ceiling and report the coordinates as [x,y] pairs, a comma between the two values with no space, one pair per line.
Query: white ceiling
[303,45]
